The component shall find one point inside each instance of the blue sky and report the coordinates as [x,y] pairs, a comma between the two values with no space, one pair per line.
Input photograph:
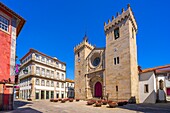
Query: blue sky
[55,27]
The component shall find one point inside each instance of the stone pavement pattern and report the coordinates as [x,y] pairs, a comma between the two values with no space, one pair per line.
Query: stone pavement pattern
[81,107]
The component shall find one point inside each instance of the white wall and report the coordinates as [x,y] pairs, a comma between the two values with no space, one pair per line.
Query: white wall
[147,78]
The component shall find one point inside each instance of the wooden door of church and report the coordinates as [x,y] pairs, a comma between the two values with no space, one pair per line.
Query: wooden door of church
[98,89]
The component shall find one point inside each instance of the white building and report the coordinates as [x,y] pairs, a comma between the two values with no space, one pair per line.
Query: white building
[69,88]
[154,85]
[41,76]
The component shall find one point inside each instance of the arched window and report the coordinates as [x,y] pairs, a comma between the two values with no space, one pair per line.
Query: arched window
[161,85]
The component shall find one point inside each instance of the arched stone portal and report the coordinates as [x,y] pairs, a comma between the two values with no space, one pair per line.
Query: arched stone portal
[98,89]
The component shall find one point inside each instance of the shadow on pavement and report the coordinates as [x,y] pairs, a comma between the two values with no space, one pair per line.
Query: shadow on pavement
[151,108]
[17,109]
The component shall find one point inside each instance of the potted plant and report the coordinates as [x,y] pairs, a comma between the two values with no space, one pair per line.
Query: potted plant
[77,99]
[98,104]
[91,102]
[29,99]
[104,102]
[112,104]
[63,100]
[59,99]
[55,100]
[70,100]
[51,100]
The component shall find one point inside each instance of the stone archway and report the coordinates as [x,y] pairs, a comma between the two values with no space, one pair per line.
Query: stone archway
[98,89]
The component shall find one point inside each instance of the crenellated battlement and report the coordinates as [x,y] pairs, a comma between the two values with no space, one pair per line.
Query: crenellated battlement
[85,43]
[128,14]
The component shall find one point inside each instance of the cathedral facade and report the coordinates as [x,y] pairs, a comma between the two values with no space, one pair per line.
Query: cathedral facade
[110,72]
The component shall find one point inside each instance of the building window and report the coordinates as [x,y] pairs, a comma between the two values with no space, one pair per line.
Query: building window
[58,75]
[52,84]
[116,33]
[47,61]
[116,88]
[47,83]
[79,73]
[161,85]
[57,64]
[57,85]
[37,57]
[43,59]
[37,70]
[116,60]
[43,71]
[48,73]
[37,82]
[4,23]
[146,88]
[52,74]
[51,62]
[42,83]
[62,76]
[62,66]
[62,85]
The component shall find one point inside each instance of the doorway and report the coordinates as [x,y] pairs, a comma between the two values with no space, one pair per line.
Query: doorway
[98,89]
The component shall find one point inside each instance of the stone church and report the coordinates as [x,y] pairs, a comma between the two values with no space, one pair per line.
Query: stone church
[110,72]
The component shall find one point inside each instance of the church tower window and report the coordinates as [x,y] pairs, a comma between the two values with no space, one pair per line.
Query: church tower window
[117,60]
[116,88]
[116,33]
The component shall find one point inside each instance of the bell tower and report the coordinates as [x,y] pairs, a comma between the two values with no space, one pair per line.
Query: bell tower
[121,57]
[81,51]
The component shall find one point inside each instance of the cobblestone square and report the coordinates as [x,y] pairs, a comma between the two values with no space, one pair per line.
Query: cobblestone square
[45,106]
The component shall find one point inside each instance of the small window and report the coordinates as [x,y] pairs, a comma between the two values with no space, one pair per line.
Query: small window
[57,85]
[48,83]
[116,88]
[43,71]
[62,85]
[117,60]
[146,88]
[116,33]
[4,23]
[79,72]
[78,54]
[58,76]
[52,84]
[37,82]
[38,70]
[42,83]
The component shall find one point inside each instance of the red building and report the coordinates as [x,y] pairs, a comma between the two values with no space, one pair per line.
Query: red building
[10,27]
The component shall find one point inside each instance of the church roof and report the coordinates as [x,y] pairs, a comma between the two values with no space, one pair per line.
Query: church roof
[158,69]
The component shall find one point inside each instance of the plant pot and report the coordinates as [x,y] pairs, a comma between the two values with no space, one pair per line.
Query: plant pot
[90,102]
[112,104]
[55,100]
[63,101]
[70,100]
[104,102]
[51,100]
[98,104]
[77,100]
[29,99]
